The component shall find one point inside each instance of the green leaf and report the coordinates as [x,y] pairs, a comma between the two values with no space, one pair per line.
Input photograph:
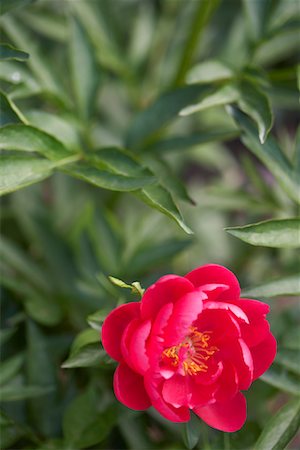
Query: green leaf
[39,64]
[184,142]
[84,71]
[44,309]
[289,359]
[256,14]
[17,172]
[120,161]
[91,355]
[160,199]
[29,139]
[85,424]
[284,286]
[226,94]
[282,233]
[191,432]
[84,338]
[164,109]
[255,103]
[282,379]
[8,52]
[43,411]
[270,154]
[11,393]
[7,5]
[282,427]
[9,113]
[96,319]
[209,71]
[91,173]
[10,367]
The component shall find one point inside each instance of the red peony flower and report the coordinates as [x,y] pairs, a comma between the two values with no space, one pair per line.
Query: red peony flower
[190,343]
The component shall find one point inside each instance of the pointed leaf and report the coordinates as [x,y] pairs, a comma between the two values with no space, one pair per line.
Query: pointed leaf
[84,71]
[223,96]
[91,173]
[270,154]
[9,113]
[8,52]
[17,172]
[270,233]
[255,103]
[164,109]
[209,71]
[160,199]
[30,139]
[281,428]
[284,286]
[191,432]
[85,423]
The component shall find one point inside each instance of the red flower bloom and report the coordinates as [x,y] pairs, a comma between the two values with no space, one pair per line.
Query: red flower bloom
[190,343]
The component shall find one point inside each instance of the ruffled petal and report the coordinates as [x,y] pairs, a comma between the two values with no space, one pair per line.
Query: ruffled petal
[114,326]
[153,385]
[221,322]
[238,353]
[185,312]
[225,416]
[176,391]
[263,355]
[238,312]
[156,341]
[137,350]
[253,308]
[215,274]
[129,388]
[227,383]
[125,341]
[167,289]
[254,333]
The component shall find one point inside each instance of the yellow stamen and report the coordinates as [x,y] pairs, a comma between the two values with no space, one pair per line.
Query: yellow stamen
[198,351]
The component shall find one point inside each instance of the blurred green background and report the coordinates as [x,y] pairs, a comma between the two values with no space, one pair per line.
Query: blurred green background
[130,171]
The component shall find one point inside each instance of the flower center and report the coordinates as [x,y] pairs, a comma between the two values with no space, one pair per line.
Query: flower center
[193,352]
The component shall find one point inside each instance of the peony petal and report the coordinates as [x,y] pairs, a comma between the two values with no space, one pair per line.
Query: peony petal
[185,312]
[237,352]
[220,322]
[225,416]
[263,355]
[129,388]
[114,326]
[254,333]
[167,289]
[213,290]
[215,274]
[176,391]
[201,394]
[227,383]
[156,341]
[238,312]
[153,385]
[137,349]
[125,341]
[253,308]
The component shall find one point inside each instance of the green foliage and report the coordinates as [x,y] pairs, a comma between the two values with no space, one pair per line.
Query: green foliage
[132,134]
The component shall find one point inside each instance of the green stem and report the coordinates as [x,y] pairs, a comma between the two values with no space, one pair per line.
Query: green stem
[202,14]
